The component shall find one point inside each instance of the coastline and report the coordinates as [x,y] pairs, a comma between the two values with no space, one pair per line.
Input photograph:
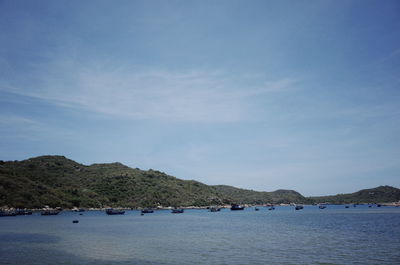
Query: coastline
[226,206]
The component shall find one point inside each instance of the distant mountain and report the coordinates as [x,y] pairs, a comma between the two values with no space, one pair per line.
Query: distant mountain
[58,181]
[261,197]
[380,194]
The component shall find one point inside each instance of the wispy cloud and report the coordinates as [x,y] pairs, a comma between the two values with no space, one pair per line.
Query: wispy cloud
[14,120]
[192,95]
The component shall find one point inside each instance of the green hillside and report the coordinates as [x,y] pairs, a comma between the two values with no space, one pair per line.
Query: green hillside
[58,181]
[380,194]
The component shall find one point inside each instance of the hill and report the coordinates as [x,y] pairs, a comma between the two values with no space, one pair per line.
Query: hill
[380,194]
[58,181]
[260,197]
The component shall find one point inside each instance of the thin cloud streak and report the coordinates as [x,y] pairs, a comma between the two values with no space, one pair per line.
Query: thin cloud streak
[199,96]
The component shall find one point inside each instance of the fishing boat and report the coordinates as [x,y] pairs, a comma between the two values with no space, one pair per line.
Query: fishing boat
[50,212]
[298,207]
[111,211]
[214,209]
[237,207]
[322,206]
[147,210]
[177,210]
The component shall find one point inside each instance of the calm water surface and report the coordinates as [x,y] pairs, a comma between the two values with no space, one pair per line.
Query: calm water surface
[334,235]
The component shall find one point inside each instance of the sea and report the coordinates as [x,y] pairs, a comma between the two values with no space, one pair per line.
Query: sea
[335,235]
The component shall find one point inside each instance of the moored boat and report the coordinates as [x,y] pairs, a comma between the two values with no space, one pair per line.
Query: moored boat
[298,207]
[111,211]
[177,211]
[147,210]
[236,207]
[50,212]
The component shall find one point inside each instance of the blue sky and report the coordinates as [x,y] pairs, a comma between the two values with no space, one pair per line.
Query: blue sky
[262,95]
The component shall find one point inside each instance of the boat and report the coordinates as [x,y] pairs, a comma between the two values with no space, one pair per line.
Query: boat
[298,207]
[214,209]
[256,209]
[236,207]
[111,211]
[346,206]
[23,212]
[322,206]
[7,213]
[378,205]
[147,210]
[271,208]
[50,212]
[177,210]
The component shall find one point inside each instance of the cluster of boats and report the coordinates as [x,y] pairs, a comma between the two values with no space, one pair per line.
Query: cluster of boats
[112,211]
[50,212]
[15,212]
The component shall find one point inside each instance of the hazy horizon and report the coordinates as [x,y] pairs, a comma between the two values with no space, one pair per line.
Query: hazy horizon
[261,95]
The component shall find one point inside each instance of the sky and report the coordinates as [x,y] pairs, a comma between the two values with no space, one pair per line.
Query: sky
[261,95]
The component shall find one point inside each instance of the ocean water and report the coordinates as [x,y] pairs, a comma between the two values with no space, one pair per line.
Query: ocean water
[334,235]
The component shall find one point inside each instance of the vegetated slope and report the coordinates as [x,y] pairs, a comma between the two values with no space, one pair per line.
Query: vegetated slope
[58,181]
[260,197]
[380,194]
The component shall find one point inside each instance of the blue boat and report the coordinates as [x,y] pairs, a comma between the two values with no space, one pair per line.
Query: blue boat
[177,211]
[147,211]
